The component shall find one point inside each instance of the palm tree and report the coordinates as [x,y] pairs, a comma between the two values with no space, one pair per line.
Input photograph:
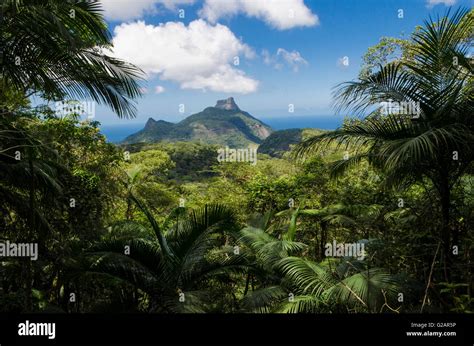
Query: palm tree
[347,284]
[437,143]
[172,267]
[26,180]
[356,215]
[53,49]
[294,284]
[57,49]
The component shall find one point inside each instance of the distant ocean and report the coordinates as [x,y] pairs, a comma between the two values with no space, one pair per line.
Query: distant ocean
[117,133]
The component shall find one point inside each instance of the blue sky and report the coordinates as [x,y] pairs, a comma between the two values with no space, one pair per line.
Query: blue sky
[293,58]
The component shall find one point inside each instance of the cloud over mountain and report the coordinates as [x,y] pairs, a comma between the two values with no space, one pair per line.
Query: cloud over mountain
[135,9]
[280,14]
[197,56]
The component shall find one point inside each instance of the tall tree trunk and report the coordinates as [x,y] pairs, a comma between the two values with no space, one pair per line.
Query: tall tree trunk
[247,284]
[445,196]
[128,212]
[323,241]
[29,234]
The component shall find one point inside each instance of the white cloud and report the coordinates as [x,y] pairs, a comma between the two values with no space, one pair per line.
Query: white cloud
[126,9]
[173,4]
[292,59]
[159,89]
[144,90]
[280,14]
[432,3]
[197,56]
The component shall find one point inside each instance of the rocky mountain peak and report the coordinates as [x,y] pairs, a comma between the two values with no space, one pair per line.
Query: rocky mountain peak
[150,123]
[227,104]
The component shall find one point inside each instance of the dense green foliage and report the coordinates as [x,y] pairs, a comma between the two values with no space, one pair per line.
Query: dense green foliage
[279,143]
[164,227]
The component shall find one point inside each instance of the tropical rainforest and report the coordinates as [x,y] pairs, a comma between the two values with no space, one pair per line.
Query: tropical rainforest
[165,228]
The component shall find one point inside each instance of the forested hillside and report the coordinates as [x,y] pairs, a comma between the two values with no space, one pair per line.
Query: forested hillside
[166,227]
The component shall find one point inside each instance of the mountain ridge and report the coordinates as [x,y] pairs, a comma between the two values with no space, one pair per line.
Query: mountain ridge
[223,124]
